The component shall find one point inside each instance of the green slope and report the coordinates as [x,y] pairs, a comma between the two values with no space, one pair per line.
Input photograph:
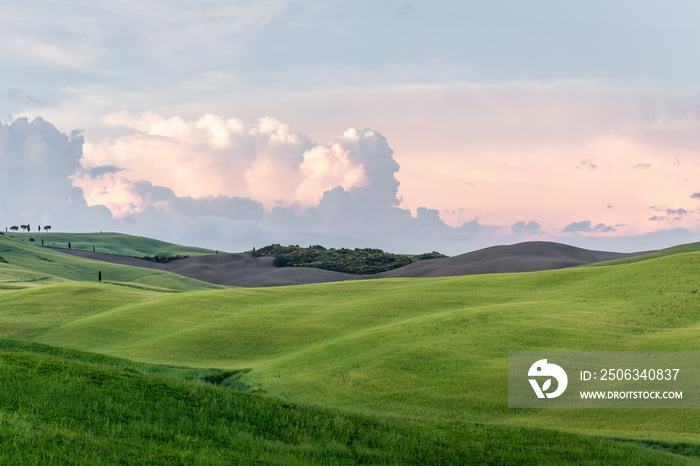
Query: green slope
[683,248]
[24,264]
[110,243]
[405,348]
[77,408]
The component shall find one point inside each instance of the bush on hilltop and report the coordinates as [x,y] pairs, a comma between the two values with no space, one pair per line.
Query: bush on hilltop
[355,261]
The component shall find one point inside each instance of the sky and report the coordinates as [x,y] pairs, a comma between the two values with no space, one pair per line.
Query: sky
[410,126]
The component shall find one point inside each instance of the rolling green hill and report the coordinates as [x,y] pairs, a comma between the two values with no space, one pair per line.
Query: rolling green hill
[66,407]
[424,351]
[680,249]
[24,264]
[110,243]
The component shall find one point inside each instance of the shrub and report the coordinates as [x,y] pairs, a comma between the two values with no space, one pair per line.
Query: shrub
[163,257]
[357,261]
[431,255]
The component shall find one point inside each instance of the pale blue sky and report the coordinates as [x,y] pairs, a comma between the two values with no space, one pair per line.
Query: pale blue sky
[497,112]
[280,46]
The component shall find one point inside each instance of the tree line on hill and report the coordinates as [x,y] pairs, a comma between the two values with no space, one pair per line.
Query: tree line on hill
[355,261]
[163,257]
[28,228]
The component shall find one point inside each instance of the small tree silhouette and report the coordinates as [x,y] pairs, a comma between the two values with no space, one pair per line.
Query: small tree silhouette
[47,227]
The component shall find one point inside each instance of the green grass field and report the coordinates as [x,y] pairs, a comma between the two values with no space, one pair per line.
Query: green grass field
[24,264]
[63,407]
[425,354]
[110,243]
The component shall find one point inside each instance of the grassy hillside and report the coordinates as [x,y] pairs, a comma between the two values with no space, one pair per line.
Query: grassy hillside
[418,348]
[24,264]
[110,243]
[60,407]
[683,248]
[356,358]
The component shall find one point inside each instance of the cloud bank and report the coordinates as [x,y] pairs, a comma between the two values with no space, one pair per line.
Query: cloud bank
[224,184]
[279,186]
[213,155]
[37,164]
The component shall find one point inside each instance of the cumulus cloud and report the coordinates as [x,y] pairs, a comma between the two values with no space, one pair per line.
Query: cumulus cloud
[37,163]
[677,212]
[586,226]
[359,160]
[668,214]
[343,193]
[217,156]
[575,227]
[208,156]
[263,181]
[102,170]
[163,199]
[587,164]
[602,228]
[525,228]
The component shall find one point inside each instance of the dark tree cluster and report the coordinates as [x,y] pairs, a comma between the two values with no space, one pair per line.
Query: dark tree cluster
[163,257]
[355,261]
[28,228]
[431,255]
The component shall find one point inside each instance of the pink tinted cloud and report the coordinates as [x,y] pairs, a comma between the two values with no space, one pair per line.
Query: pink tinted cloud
[215,156]
[554,152]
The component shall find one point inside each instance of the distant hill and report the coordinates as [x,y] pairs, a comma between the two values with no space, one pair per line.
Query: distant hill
[530,256]
[237,269]
[241,269]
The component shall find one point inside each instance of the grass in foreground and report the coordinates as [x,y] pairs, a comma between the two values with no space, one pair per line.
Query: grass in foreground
[406,348]
[61,410]
[421,348]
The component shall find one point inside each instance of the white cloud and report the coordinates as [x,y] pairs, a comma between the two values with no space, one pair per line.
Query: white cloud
[37,163]
[41,162]
[217,156]
[526,229]
[208,156]
[325,167]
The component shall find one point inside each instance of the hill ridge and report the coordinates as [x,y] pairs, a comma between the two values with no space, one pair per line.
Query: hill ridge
[240,269]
